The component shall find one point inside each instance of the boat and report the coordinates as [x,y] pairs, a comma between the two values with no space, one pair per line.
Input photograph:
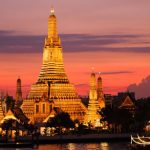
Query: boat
[139,143]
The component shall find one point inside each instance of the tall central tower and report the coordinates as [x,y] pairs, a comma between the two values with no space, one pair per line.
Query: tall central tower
[52,71]
[52,82]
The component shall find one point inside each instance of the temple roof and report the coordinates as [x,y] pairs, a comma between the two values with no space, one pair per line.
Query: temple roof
[9,115]
[124,100]
[52,114]
[20,115]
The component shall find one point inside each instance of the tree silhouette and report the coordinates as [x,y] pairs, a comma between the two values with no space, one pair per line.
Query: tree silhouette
[119,120]
[9,125]
[10,102]
[62,119]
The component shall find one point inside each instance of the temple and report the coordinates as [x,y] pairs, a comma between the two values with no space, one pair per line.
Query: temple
[53,88]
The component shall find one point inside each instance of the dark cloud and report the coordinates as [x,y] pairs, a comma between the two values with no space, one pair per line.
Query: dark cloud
[11,42]
[86,43]
[142,89]
[107,89]
[6,33]
[116,72]
[113,72]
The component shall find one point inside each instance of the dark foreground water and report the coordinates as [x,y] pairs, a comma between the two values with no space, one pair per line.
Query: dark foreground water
[78,146]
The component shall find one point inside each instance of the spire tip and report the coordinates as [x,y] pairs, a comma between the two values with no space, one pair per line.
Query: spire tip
[52,11]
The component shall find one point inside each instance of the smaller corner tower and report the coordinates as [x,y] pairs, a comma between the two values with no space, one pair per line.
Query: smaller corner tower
[18,101]
[100,94]
[93,117]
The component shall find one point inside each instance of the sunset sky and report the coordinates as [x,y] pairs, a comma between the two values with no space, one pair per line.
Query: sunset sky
[113,36]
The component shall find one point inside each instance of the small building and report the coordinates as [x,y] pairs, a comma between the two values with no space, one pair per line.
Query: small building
[108,100]
[124,100]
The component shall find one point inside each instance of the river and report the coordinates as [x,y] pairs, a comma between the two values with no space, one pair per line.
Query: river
[79,146]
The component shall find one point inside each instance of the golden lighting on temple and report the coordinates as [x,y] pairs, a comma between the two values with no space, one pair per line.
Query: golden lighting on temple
[52,10]
[96,101]
[52,88]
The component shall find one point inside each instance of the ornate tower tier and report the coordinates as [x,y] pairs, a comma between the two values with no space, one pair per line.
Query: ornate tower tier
[52,82]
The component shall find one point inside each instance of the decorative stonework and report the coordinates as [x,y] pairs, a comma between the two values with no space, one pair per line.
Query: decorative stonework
[52,83]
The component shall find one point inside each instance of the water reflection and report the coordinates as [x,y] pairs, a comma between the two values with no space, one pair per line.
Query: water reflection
[79,146]
[104,146]
[92,146]
[83,146]
[53,147]
[71,146]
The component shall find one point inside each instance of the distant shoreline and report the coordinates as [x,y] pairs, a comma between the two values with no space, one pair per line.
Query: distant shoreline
[78,138]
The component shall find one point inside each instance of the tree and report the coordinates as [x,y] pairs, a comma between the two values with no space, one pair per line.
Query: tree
[9,125]
[142,114]
[126,120]
[107,116]
[62,119]
[10,102]
[119,120]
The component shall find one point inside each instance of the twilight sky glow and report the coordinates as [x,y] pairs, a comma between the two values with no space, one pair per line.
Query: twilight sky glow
[113,36]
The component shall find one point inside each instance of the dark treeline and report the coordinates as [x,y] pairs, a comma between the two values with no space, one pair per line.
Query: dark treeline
[124,120]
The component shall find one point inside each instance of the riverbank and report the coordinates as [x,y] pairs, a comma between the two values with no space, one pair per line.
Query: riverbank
[78,138]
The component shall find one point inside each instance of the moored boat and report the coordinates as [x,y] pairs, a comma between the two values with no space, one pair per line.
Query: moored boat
[139,143]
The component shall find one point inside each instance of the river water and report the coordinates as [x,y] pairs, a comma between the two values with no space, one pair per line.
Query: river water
[78,146]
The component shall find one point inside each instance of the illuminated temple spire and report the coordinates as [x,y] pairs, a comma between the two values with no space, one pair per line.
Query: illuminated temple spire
[52,70]
[52,24]
[18,101]
[100,94]
[52,11]
[52,82]
[93,107]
